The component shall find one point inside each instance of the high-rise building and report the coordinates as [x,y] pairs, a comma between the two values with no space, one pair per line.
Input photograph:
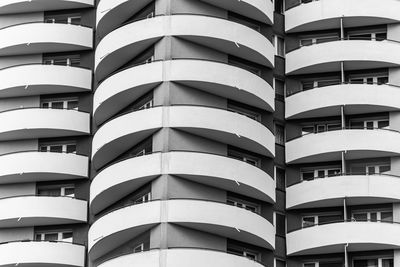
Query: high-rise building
[218,133]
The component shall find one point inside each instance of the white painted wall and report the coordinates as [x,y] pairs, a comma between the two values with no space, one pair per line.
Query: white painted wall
[10,190]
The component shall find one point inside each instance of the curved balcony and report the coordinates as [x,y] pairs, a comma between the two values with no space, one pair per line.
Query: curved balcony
[331,238]
[40,37]
[357,99]
[23,211]
[255,9]
[27,166]
[112,13]
[113,230]
[24,6]
[124,43]
[325,14]
[330,191]
[123,132]
[218,79]
[218,171]
[356,54]
[328,146]
[181,257]
[29,123]
[41,253]
[38,79]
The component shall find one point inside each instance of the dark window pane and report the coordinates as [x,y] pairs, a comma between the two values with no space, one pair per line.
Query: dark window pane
[280,224]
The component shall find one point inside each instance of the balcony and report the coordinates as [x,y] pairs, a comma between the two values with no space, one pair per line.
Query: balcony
[113,230]
[40,37]
[24,6]
[181,257]
[124,43]
[357,99]
[38,79]
[356,55]
[123,132]
[325,14]
[328,146]
[331,238]
[218,171]
[24,211]
[31,123]
[356,189]
[112,13]
[212,77]
[27,166]
[41,253]
[260,10]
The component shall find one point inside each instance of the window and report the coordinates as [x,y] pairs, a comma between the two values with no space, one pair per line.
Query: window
[327,263]
[247,65]
[279,86]
[279,134]
[280,46]
[144,102]
[280,263]
[68,147]
[240,203]
[244,157]
[56,190]
[311,174]
[306,41]
[138,248]
[279,6]
[280,177]
[369,124]
[146,197]
[321,127]
[373,79]
[255,25]
[71,103]
[241,251]
[311,220]
[64,60]
[64,236]
[64,18]
[244,111]
[280,222]
[373,262]
[373,216]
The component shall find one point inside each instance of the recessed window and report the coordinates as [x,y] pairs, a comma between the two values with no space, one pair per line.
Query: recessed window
[67,147]
[138,248]
[64,236]
[64,18]
[252,114]
[144,197]
[279,134]
[56,190]
[64,60]
[70,103]
[280,46]
[253,160]
[373,216]
[240,203]
[245,252]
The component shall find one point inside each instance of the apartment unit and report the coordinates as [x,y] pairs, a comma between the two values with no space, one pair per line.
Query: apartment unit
[342,133]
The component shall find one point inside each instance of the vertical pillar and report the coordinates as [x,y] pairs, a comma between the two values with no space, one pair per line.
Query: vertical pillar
[344,171]
[342,117]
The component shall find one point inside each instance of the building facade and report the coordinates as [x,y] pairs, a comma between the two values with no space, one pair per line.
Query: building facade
[175,133]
